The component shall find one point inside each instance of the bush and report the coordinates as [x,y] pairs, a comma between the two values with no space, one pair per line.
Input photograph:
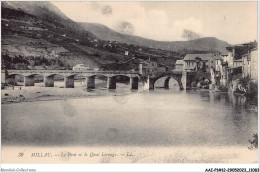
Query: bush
[254,142]
[223,88]
[244,80]
[252,92]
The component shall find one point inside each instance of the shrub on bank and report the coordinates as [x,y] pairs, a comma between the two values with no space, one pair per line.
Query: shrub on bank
[254,142]
[222,88]
[252,92]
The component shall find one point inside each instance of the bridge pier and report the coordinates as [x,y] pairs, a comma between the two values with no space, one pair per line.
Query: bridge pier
[184,80]
[166,82]
[11,80]
[90,82]
[111,82]
[28,81]
[49,81]
[149,84]
[69,82]
[3,77]
[134,83]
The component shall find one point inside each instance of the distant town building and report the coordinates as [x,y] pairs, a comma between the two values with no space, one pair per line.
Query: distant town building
[96,69]
[147,67]
[179,65]
[80,67]
[246,61]
[217,68]
[217,62]
[126,53]
[254,64]
[250,64]
[229,58]
[239,60]
[161,68]
[238,63]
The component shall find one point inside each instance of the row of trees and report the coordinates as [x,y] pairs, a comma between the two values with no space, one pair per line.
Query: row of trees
[22,63]
[16,62]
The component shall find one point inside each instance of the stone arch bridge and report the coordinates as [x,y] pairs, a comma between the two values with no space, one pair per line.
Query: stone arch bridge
[180,77]
[8,76]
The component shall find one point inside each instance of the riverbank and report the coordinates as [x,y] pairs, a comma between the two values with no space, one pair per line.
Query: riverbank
[41,93]
[38,92]
[250,105]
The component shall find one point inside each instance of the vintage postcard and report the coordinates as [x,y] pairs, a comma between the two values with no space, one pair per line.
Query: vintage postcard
[129,82]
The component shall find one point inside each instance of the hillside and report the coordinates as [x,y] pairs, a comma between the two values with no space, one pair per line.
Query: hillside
[44,11]
[37,35]
[203,44]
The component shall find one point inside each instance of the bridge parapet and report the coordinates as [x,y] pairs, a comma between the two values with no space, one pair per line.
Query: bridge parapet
[67,73]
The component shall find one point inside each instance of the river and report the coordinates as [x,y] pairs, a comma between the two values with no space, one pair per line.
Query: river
[122,117]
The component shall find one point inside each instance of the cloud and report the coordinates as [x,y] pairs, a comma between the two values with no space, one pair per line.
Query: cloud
[125,27]
[167,20]
[131,18]
[107,10]
[189,35]
[188,24]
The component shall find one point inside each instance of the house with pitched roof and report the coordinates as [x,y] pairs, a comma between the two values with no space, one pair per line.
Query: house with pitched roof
[193,62]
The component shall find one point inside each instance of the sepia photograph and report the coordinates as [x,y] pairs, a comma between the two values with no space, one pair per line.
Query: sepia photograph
[129,82]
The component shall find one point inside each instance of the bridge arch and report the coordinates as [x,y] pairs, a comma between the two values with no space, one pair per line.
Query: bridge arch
[133,80]
[167,79]
[111,80]
[14,78]
[26,79]
[49,79]
[32,79]
[48,76]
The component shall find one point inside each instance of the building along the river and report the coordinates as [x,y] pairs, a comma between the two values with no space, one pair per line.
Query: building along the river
[217,69]
[239,61]
[179,65]
[254,64]
[193,62]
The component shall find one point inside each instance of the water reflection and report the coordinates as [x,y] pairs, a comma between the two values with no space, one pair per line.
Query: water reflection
[124,117]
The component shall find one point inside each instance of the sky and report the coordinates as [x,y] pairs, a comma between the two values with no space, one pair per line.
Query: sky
[234,22]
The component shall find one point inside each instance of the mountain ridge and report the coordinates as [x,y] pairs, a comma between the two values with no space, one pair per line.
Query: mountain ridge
[105,33]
